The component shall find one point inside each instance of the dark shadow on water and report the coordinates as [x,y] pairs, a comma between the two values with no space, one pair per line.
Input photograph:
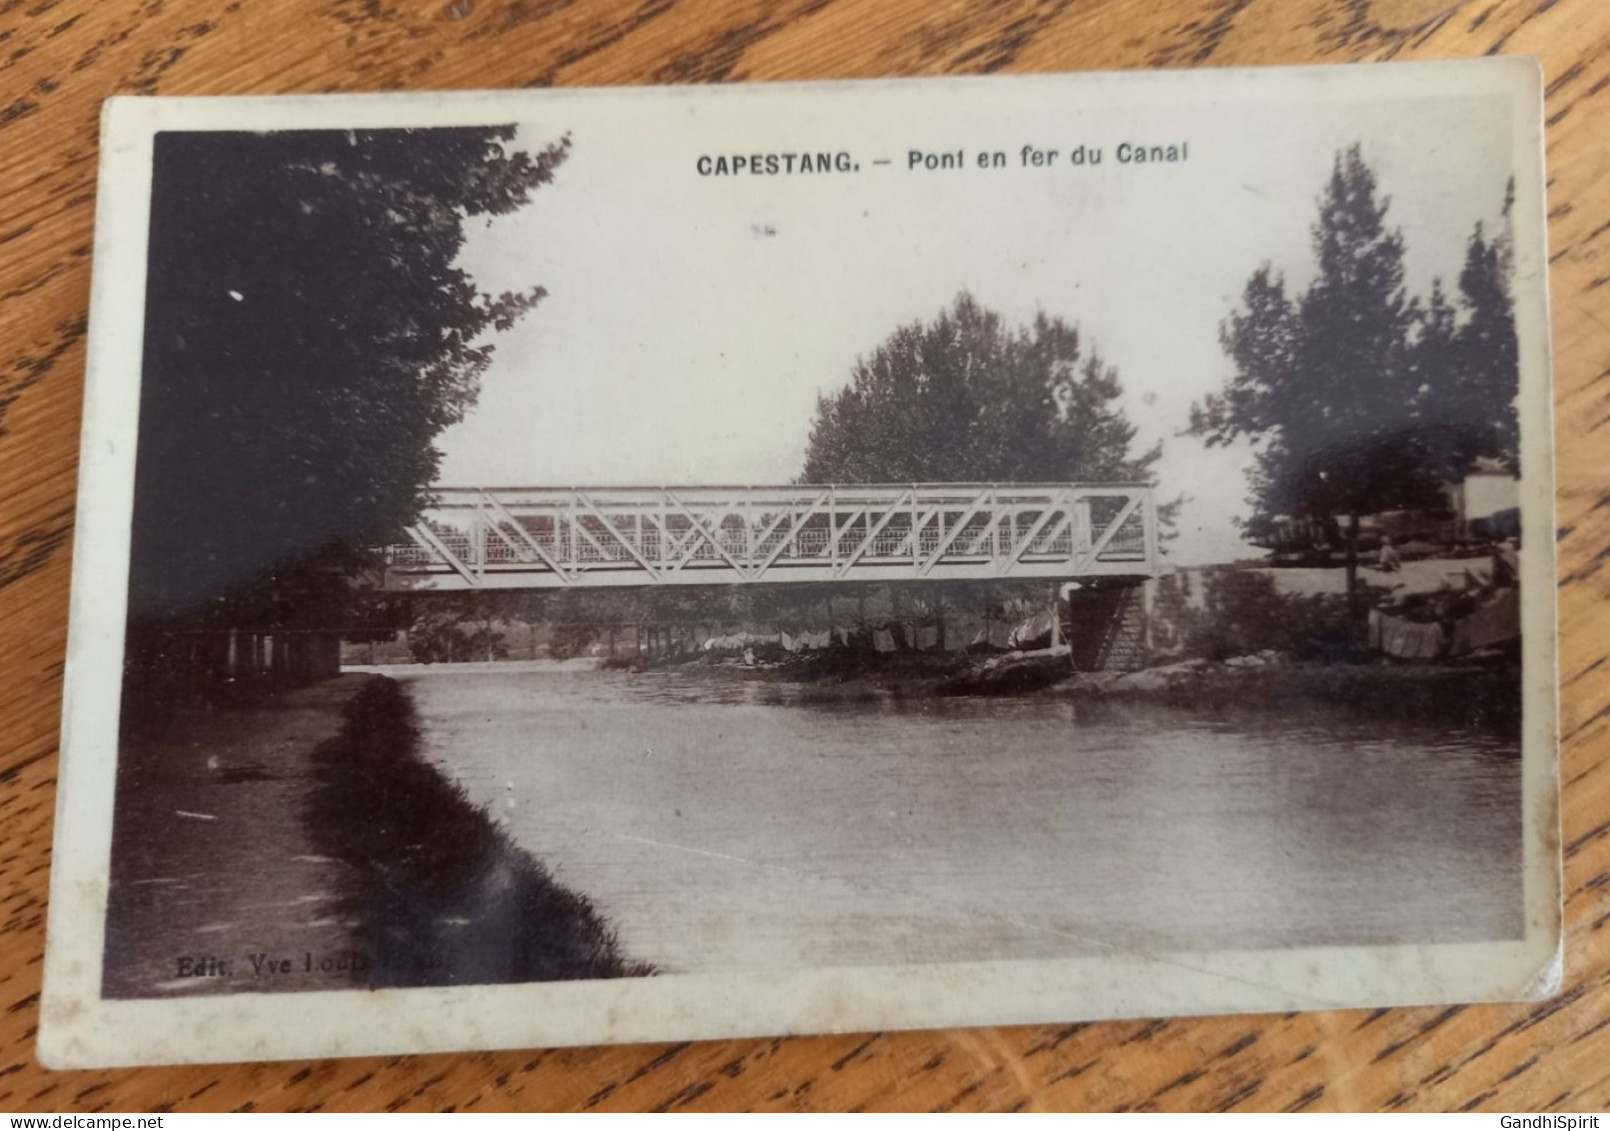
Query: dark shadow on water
[439,894]
[1475,699]
[1454,700]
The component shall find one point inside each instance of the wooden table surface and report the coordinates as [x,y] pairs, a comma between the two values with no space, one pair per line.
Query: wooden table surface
[59,58]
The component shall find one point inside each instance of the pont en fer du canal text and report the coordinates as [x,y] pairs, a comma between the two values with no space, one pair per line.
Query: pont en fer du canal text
[794,163]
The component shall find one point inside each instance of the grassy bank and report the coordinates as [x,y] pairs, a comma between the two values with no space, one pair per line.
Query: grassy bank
[212,855]
[440,894]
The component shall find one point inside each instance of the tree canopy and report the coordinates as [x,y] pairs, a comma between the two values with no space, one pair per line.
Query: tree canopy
[1361,397]
[1471,362]
[308,334]
[967,398]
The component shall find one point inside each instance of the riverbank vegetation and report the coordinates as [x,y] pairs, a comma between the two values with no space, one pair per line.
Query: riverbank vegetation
[1240,612]
[439,893]
[1482,695]
[1233,640]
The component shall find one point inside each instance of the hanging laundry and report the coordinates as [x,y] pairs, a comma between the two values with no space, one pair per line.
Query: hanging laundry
[1034,631]
[1410,640]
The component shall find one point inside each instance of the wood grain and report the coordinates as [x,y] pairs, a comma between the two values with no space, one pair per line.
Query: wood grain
[58,59]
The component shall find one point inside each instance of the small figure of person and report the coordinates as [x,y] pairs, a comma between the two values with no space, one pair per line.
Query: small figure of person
[1390,561]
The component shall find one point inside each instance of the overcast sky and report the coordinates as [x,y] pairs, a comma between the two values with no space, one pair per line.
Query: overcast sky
[692,321]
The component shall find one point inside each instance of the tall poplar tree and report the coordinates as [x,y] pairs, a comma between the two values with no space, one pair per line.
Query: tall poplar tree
[1360,398]
[1481,375]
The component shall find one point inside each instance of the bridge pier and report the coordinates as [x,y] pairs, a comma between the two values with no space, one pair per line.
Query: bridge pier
[1056,617]
[1107,626]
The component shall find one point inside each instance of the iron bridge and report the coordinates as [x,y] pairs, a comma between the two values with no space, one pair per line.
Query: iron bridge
[547,537]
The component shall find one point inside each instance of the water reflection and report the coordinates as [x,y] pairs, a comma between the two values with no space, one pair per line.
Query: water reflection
[726,823]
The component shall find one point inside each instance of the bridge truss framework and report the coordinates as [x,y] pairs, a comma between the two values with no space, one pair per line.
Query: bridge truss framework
[523,538]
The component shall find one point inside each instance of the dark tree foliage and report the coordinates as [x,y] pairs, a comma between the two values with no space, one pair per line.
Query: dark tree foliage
[966,398]
[1473,366]
[1361,398]
[455,628]
[307,337]
[1325,378]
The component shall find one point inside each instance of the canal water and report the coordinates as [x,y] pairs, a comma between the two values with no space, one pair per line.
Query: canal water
[723,824]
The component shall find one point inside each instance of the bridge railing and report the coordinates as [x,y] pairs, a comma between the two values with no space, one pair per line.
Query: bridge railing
[556,537]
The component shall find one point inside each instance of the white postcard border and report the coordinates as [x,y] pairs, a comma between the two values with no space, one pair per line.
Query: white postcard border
[79,1028]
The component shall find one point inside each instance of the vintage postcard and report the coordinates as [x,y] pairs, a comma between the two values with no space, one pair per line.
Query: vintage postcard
[560,567]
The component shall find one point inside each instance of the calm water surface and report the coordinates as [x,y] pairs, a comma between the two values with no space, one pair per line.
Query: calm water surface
[724,825]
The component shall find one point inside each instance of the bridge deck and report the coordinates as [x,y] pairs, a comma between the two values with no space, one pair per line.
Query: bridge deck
[517,538]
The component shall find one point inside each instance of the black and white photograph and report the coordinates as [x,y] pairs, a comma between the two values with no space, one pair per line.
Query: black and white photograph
[637,564]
